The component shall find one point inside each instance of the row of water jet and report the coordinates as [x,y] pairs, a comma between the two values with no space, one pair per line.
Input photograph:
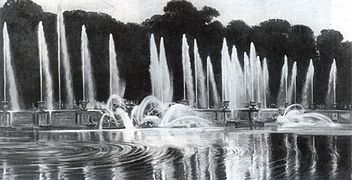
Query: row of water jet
[62,56]
[254,75]
[307,97]
[9,75]
[188,91]
[331,95]
[159,72]
[87,71]
[45,66]
[117,85]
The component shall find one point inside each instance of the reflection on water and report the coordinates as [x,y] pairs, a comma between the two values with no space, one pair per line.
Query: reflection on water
[174,154]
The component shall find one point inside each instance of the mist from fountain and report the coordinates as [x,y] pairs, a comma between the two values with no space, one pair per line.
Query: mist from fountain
[331,95]
[236,95]
[9,75]
[292,90]
[212,91]
[252,63]
[188,89]
[87,71]
[62,55]
[308,89]
[45,66]
[117,85]
[283,90]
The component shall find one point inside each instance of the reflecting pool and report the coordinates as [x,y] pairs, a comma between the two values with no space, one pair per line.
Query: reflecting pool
[192,153]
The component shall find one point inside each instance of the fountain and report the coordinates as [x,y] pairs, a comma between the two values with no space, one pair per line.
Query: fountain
[200,87]
[211,85]
[295,116]
[225,63]
[9,74]
[331,95]
[45,66]
[87,71]
[117,86]
[159,72]
[283,97]
[187,73]
[308,91]
[292,90]
[265,82]
[153,113]
[62,56]
[115,109]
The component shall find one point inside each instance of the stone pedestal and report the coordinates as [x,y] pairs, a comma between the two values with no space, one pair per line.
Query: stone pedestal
[312,106]
[252,105]
[41,116]
[83,105]
[225,105]
[334,106]
[184,102]
[83,117]
[5,115]
[286,104]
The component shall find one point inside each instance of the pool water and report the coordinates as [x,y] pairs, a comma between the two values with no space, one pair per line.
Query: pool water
[194,153]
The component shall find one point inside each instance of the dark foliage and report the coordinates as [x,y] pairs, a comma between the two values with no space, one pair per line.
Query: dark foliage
[273,39]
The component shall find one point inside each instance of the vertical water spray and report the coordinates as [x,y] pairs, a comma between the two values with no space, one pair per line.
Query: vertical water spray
[63,57]
[252,62]
[308,91]
[117,86]
[259,80]
[225,59]
[187,73]
[237,92]
[9,75]
[331,95]
[247,82]
[45,66]
[265,82]
[87,71]
[283,96]
[166,87]
[212,84]
[207,83]
[292,90]
[154,67]
[200,78]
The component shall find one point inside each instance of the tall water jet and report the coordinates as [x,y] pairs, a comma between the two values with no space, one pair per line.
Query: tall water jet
[236,76]
[9,75]
[331,95]
[247,82]
[211,84]
[45,66]
[87,71]
[282,98]
[252,62]
[225,61]
[188,92]
[166,87]
[265,82]
[292,90]
[154,67]
[62,56]
[308,91]
[117,86]
[259,80]
[199,79]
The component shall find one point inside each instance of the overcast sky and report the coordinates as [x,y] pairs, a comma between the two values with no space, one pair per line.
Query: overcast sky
[318,14]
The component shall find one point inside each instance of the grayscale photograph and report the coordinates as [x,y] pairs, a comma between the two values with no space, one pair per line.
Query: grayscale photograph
[175,89]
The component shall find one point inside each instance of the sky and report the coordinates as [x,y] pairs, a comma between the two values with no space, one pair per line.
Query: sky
[317,14]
